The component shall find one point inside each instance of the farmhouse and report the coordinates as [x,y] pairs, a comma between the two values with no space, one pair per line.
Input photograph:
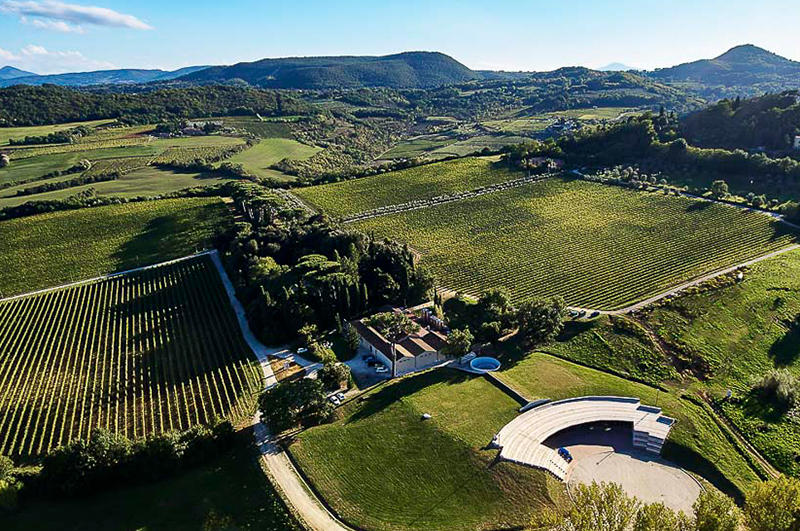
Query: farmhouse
[414,352]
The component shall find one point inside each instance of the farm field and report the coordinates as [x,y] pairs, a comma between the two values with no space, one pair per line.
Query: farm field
[386,469]
[147,181]
[51,249]
[598,246]
[230,493]
[18,133]
[137,354]
[258,159]
[695,443]
[422,182]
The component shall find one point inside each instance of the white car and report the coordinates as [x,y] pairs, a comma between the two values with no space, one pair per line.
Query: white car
[333,399]
[340,396]
[380,369]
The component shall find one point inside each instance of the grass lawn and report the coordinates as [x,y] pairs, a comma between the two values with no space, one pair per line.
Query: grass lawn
[696,443]
[51,249]
[422,182]
[230,493]
[743,331]
[18,133]
[598,246]
[148,181]
[258,159]
[384,468]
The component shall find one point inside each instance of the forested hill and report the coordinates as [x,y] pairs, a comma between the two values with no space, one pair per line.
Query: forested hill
[49,104]
[770,121]
[100,77]
[9,72]
[403,70]
[748,67]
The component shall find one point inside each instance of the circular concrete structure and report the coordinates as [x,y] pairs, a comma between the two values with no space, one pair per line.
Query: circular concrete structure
[604,453]
[484,364]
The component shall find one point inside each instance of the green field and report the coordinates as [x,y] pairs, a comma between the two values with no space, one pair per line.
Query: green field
[148,181]
[138,354]
[743,331]
[422,182]
[384,468]
[258,159]
[695,443]
[598,246]
[52,249]
[18,133]
[231,493]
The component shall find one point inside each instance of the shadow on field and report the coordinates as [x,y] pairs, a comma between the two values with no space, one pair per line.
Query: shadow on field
[694,462]
[392,392]
[699,206]
[785,350]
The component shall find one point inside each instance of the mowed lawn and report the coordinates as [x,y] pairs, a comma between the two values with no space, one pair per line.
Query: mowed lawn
[258,159]
[695,443]
[422,182]
[382,467]
[51,249]
[231,493]
[598,246]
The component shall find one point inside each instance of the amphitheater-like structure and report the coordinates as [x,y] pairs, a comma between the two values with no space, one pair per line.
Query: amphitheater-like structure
[522,440]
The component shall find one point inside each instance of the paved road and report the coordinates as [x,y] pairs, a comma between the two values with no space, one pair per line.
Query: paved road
[306,505]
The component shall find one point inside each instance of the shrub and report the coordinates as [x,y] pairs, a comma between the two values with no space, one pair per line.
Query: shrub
[778,386]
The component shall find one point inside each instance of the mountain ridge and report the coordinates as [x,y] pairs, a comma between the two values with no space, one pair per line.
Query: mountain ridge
[99,77]
[402,70]
[9,72]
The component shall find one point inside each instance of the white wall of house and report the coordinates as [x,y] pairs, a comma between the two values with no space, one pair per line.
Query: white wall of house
[380,356]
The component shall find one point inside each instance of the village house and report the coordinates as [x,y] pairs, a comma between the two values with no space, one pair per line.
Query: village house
[414,352]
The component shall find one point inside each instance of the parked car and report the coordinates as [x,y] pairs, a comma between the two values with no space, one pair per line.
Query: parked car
[564,453]
[582,313]
[340,396]
[573,313]
[369,357]
[594,314]
[333,399]
[381,369]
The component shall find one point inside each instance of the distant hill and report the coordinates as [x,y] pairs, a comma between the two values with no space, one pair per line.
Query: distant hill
[616,67]
[403,70]
[744,66]
[9,72]
[102,77]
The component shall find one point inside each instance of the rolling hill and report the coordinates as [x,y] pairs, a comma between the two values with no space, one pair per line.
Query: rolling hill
[101,77]
[403,70]
[741,66]
[9,72]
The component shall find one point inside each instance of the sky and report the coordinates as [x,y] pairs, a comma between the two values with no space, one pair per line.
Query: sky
[46,36]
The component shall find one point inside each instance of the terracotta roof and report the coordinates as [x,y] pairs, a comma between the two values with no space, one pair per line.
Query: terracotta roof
[411,346]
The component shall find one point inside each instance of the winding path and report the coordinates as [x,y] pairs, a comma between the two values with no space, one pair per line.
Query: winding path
[284,475]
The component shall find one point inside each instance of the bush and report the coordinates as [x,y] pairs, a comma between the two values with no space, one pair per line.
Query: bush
[778,386]
[106,459]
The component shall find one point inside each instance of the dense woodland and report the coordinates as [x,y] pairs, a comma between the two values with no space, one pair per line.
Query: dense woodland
[25,105]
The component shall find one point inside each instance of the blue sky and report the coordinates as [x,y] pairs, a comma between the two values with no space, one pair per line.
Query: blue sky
[50,36]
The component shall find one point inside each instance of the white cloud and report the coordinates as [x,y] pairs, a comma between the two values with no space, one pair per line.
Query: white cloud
[57,15]
[36,58]
[8,56]
[53,25]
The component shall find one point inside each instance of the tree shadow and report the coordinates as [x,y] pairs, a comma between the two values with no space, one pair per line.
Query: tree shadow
[699,206]
[694,462]
[784,351]
[393,391]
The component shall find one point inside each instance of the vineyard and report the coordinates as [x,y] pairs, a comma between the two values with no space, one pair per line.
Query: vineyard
[137,354]
[119,166]
[39,251]
[598,246]
[347,198]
